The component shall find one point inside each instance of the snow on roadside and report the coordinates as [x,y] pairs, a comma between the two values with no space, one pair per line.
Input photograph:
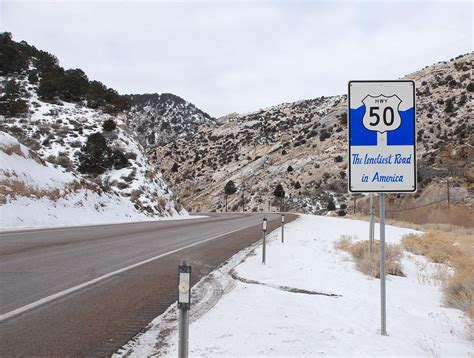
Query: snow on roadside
[33,193]
[264,319]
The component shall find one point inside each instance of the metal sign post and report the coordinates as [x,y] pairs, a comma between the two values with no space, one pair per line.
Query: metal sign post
[383,311]
[382,150]
[184,303]
[371,227]
[264,230]
[283,228]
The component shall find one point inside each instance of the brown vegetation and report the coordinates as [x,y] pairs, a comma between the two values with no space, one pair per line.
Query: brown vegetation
[370,264]
[455,248]
[15,188]
[458,215]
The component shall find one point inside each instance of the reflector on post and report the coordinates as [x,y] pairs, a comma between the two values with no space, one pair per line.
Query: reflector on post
[264,224]
[184,286]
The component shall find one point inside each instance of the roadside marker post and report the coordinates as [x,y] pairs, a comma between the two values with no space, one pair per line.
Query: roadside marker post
[282,227]
[264,230]
[184,303]
[382,150]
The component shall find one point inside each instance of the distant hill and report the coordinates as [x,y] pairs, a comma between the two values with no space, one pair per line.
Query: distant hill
[161,118]
[302,145]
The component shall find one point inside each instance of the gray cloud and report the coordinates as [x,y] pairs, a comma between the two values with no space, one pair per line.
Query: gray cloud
[241,56]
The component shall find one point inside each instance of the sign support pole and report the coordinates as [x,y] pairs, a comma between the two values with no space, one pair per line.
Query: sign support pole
[371,227]
[383,330]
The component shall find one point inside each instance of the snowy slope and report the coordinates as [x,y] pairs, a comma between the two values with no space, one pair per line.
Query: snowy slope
[162,118]
[34,193]
[58,130]
[257,316]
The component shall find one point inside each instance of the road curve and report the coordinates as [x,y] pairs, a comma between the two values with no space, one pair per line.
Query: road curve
[85,291]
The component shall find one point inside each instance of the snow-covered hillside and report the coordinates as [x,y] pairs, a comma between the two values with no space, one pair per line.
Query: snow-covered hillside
[162,118]
[57,130]
[35,193]
[309,300]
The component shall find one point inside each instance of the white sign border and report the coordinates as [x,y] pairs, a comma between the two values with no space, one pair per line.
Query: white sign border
[349,136]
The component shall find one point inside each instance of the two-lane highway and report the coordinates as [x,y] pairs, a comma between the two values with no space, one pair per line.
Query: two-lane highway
[85,291]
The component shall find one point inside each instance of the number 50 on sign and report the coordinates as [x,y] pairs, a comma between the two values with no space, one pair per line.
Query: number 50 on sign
[382,134]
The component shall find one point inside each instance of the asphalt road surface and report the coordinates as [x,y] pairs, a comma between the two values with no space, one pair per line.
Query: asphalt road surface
[86,291]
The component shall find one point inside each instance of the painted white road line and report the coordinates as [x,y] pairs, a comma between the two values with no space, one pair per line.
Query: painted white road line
[91,282]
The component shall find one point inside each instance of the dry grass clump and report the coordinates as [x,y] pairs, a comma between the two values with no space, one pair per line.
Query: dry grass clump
[455,248]
[370,264]
[16,188]
[13,149]
[16,149]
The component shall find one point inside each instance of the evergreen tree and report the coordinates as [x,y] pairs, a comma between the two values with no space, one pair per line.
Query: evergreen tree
[13,57]
[331,206]
[50,85]
[74,85]
[11,102]
[109,125]
[119,159]
[95,157]
[229,189]
[279,193]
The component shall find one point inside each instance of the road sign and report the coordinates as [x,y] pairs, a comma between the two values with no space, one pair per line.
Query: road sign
[382,136]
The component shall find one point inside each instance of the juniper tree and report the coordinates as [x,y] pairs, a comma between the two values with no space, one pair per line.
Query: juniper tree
[279,193]
[229,189]
[95,157]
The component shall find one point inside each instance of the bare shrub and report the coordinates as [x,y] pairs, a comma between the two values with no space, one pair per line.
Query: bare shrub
[454,248]
[162,201]
[135,194]
[370,264]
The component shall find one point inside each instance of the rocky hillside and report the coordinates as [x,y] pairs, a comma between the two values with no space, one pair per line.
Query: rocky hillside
[77,125]
[161,118]
[302,145]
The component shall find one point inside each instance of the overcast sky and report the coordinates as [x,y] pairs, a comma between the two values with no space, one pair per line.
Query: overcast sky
[229,56]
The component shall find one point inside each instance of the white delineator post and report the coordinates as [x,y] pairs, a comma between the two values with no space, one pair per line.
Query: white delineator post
[264,230]
[184,303]
[283,228]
